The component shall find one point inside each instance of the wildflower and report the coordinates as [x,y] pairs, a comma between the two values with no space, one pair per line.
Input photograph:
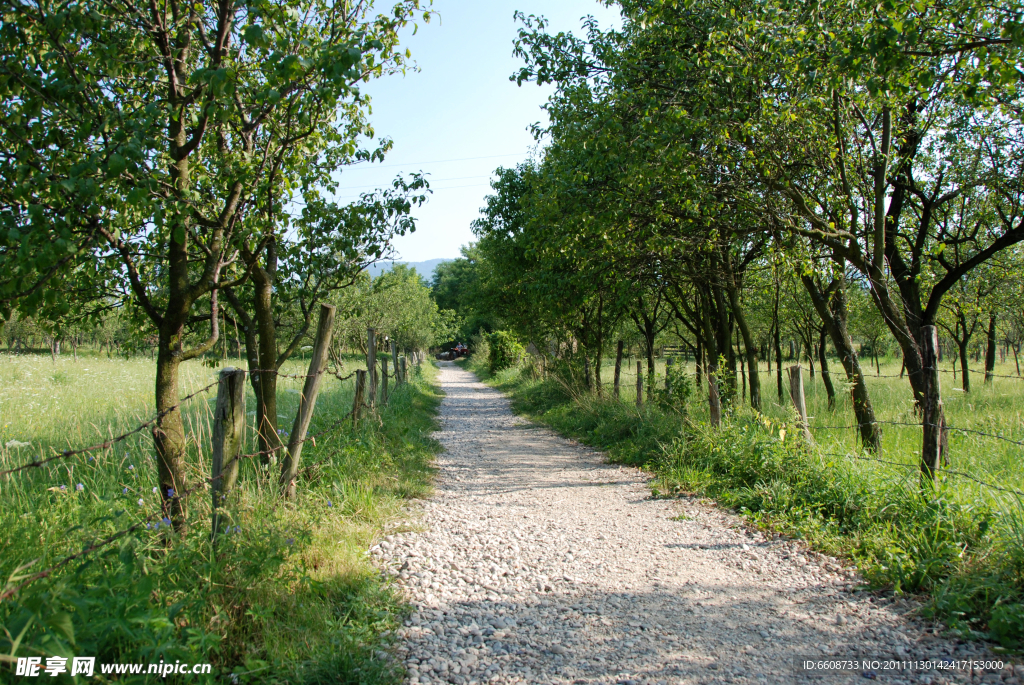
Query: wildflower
[80,487]
[291,541]
[63,487]
[170,492]
[166,521]
[125,491]
[156,490]
[141,501]
[329,503]
[131,467]
[90,458]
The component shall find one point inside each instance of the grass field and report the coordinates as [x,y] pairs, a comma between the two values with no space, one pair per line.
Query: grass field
[288,595]
[960,545]
[996,407]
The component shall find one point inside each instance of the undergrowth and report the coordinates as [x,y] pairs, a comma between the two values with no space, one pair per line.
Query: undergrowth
[961,548]
[287,595]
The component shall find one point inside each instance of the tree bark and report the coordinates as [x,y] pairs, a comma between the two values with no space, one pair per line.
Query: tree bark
[748,340]
[826,377]
[965,378]
[618,367]
[777,339]
[990,349]
[834,315]
[933,420]
[264,382]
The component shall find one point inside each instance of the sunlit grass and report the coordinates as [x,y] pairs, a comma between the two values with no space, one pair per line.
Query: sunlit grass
[290,593]
[996,407]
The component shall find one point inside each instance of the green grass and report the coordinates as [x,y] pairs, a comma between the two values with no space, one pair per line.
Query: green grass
[960,545]
[290,597]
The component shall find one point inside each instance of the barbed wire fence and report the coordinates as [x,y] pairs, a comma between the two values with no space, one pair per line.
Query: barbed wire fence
[943,428]
[18,582]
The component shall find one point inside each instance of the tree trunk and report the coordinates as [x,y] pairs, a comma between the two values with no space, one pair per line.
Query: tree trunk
[264,382]
[990,349]
[169,430]
[778,357]
[749,347]
[600,346]
[834,316]
[698,370]
[933,420]
[618,367]
[965,381]
[826,377]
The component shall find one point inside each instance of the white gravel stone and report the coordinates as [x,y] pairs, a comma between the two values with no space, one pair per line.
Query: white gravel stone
[538,562]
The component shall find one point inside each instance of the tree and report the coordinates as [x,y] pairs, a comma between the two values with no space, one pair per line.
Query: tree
[153,140]
[397,303]
[290,276]
[459,285]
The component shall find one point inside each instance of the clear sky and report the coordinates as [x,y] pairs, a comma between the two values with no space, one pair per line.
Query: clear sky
[459,117]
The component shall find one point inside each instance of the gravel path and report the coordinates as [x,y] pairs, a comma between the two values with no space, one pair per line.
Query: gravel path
[541,563]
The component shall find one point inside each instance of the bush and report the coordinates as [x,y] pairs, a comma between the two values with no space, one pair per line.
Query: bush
[505,351]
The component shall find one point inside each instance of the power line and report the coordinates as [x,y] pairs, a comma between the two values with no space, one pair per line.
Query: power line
[471,185]
[436,161]
[439,180]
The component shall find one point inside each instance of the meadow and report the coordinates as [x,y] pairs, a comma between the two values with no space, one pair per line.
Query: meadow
[958,546]
[996,408]
[287,595]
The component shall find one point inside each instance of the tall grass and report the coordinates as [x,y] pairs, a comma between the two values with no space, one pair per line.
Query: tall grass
[288,595]
[961,544]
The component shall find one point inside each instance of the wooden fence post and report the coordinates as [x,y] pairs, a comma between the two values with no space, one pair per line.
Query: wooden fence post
[394,359]
[639,385]
[383,380]
[796,391]
[618,368]
[405,370]
[933,420]
[228,434]
[668,372]
[371,366]
[357,401]
[307,401]
[714,399]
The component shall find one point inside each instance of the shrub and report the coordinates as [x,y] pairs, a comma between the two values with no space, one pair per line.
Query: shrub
[505,351]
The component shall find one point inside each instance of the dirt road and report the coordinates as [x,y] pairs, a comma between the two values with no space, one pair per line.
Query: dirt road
[539,562]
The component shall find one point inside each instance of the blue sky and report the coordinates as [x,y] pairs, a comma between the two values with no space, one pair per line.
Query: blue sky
[459,117]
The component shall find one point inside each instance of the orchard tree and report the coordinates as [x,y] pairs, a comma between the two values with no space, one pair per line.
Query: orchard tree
[153,140]
[324,251]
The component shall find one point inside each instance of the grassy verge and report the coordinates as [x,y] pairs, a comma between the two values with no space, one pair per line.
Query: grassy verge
[960,546]
[288,596]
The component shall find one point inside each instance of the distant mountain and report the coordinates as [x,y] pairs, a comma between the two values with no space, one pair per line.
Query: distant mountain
[425,269]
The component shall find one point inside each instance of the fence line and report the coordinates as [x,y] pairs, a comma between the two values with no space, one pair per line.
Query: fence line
[221,470]
[183,496]
[858,426]
[159,415]
[107,443]
[915,466]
